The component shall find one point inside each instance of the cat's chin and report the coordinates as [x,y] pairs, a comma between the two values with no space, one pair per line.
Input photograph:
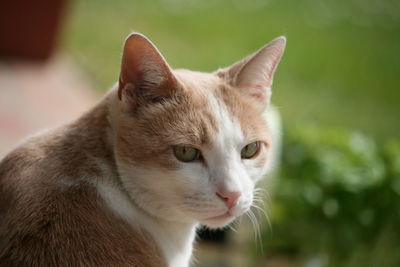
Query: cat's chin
[218,221]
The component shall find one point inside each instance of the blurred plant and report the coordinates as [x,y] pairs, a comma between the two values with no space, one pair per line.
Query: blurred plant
[338,196]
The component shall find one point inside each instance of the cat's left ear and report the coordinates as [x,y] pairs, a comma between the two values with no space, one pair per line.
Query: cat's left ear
[145,75]
[254,74]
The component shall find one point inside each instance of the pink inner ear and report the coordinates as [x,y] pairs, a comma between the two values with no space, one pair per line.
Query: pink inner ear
[144,67]
[254,74]
[257,90]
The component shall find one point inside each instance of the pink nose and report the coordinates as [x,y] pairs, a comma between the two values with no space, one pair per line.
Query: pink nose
[230,198]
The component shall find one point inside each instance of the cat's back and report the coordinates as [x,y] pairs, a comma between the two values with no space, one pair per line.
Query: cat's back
[32,169]
[51,213]
[19,171]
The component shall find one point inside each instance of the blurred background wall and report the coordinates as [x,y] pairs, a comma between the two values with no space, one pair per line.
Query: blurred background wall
[336,199]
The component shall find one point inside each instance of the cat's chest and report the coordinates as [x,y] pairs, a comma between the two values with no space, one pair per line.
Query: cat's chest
[176,245]
[173,240]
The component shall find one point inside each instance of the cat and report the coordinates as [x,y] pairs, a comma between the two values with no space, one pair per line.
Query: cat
[128,182]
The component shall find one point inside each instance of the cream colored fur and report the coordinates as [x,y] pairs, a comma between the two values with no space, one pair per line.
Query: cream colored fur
[107,190]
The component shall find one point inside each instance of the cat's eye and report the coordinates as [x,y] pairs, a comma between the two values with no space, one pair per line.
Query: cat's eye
[250,150]
[186,153]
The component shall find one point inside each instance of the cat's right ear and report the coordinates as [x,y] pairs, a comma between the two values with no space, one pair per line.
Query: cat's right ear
[254,74]
[145,75]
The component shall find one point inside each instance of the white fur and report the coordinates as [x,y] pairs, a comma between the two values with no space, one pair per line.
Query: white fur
[174,239]
[227,169]
[169,204]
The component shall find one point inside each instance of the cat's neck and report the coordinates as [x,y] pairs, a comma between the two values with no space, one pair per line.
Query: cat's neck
[174,239]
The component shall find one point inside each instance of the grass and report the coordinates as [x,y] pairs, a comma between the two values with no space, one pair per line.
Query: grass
[342,65]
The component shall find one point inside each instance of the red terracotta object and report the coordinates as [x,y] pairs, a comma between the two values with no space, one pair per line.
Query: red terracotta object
[29,29]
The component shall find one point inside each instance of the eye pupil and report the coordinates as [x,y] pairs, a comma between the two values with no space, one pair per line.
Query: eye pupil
[186,153]
[250,150]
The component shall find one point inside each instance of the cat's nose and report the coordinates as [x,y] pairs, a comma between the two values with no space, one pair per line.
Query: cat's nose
[230,198]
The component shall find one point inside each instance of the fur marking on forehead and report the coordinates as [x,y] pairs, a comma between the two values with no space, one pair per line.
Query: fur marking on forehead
[185,119]
[244,110]
[229,130]
[222,100]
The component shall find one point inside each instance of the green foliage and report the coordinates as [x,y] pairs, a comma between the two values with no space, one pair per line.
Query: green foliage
[338,195]
[341,65]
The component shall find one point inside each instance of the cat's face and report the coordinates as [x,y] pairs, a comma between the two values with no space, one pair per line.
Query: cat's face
[190,146]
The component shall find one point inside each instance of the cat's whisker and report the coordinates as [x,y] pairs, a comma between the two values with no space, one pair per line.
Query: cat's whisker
[258,198]
[237,221]
[232,228]
[258,230]
[240,220]
[260,195]
[262,198]
[252,219]
[260,189]
[263,212]
[259,209]
[256,227]
[260,202]
[263,193]
[252,223]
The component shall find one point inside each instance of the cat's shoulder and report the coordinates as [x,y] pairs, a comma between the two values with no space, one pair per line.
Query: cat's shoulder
[28,155]
[50,201]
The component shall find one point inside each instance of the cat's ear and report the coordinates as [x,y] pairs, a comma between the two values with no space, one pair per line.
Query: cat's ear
[145,75]
[254,74]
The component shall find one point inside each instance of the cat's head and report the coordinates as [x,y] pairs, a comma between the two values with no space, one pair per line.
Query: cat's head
[190,146]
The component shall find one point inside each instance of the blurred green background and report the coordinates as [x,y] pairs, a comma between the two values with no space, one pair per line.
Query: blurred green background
[341,67]
[336,201]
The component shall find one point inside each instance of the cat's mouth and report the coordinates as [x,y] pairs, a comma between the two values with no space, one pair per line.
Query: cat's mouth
[218,221]
[226,215]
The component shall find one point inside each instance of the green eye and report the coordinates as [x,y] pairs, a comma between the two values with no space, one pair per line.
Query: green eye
[186,153]
[250,150]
